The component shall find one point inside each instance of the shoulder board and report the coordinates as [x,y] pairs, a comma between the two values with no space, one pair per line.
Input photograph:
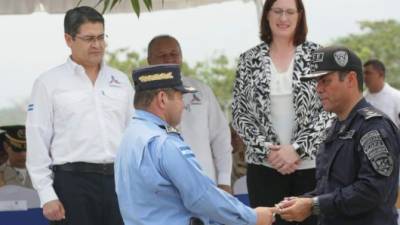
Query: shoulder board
[369,113]
[171,129]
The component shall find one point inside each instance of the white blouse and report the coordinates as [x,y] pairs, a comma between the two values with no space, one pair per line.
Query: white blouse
[282,110]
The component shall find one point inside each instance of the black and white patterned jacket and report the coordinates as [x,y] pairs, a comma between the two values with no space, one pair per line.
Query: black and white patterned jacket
[251,104]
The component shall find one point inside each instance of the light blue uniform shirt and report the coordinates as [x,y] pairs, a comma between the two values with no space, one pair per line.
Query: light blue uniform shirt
[158,180]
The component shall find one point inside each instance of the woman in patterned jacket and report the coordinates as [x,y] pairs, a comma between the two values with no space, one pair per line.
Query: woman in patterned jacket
[279,118]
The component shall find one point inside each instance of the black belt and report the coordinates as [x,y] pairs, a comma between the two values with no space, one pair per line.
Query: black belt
[83,167]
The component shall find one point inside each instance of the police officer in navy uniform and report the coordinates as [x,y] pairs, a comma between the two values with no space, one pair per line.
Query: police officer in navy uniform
[158,179]
[357,165]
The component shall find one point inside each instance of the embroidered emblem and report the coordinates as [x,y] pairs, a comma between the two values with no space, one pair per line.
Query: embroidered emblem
[114,82]
[21,134]
[341,58]
[377,153]
[348,135]
[186,151]
[157,76]
[195,100]
[30,107]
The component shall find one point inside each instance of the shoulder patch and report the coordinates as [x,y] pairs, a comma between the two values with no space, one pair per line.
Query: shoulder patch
[377,153]
[186,151]
[369,113]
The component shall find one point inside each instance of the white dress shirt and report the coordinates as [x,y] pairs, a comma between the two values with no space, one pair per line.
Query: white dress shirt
[206,130]
[70,119]
[387,100]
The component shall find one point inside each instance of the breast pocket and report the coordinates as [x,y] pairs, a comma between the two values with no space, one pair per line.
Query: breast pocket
[70,103]
[343,170]
[114,100]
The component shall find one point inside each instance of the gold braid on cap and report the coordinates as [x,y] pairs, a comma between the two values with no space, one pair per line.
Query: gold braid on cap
[16,143]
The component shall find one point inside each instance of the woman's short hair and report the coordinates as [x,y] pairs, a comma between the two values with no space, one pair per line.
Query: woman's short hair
[301,27]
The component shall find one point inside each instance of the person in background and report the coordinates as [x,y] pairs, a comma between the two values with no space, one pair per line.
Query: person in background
[379,93]
[203,126]
[239,167]
[3,159]
[76,116]
[13,170]
[279,118]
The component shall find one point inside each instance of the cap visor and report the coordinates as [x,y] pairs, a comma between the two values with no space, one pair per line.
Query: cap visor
[314,75]
[185,89]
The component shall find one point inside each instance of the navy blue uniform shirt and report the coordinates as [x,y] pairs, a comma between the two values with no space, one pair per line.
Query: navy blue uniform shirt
[357,170]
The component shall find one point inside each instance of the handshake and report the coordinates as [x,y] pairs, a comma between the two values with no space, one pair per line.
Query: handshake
[290,209]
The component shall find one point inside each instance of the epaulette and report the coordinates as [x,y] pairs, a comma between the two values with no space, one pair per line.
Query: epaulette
[171,129]
[369,112]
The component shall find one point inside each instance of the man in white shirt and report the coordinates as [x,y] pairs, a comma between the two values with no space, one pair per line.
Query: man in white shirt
[380,94]
[203,126]
[76,116]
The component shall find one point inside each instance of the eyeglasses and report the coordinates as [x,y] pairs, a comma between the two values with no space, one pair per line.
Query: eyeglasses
[278,12]
[92,39]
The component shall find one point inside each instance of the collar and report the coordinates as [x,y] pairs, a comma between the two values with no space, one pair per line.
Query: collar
[77,67]
[362,103]
[148,116]
[299,49]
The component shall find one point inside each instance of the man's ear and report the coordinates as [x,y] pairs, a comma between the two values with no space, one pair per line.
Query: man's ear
[161,99]
[68,39]
[352,79]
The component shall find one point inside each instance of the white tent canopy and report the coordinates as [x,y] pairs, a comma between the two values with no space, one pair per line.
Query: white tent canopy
[60,6]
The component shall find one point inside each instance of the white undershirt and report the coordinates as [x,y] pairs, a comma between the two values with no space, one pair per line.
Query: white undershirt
[282,110]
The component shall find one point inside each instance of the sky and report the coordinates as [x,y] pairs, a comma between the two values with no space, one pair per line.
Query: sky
[31,44]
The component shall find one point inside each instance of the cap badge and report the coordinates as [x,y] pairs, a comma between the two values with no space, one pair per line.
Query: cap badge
[341,58]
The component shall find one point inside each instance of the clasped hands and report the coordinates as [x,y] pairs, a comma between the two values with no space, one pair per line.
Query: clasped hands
[283,158]
[290,209]
[294,208]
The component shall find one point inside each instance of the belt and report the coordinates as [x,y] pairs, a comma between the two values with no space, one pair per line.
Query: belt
[83,167]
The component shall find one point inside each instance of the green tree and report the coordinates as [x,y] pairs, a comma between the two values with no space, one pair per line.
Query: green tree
[125,60]
[110,4]
[216,72]
[219,74]
[379,40]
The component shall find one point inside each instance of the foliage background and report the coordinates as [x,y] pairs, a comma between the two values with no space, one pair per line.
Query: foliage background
[377,39]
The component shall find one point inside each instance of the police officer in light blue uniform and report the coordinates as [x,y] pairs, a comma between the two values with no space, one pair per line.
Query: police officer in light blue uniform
[158,180]
[357,167]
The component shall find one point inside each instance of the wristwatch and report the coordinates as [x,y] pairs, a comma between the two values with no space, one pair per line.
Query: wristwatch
[315,206]
[297,148]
